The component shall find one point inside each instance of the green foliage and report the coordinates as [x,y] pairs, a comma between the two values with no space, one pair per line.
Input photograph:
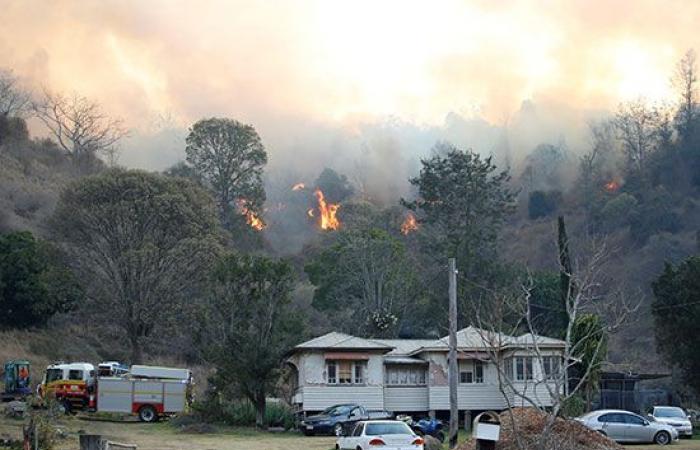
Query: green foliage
[549,317]
[654,215]
[335,186]
[465,202]
[366,280]
[589,345]
[143,242]
[34,282]
[573,406]
[542,204]
[241,413]
[249,326]
[229,157]
[618,210]
[676,311]
[543,167]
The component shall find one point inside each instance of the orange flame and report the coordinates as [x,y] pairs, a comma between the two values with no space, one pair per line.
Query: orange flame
[298,186]
[328,211]
[250,217]
[612,186]
[409,224]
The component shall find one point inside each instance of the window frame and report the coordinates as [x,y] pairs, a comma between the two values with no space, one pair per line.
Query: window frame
[357,373]
[413,375]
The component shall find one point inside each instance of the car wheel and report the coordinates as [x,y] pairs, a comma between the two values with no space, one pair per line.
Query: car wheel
[338,429]
[308,432]
[147,413]
[662,438]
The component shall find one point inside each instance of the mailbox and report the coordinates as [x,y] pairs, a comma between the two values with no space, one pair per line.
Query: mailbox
[486,430]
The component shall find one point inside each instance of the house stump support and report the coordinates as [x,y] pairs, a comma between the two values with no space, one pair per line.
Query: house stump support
[467,421]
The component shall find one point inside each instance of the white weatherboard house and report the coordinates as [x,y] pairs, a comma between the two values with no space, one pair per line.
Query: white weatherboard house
[410,375]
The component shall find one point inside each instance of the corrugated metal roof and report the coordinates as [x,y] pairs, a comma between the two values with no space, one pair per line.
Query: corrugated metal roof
[342,341]
[470,338]
[389,359]
[405,346]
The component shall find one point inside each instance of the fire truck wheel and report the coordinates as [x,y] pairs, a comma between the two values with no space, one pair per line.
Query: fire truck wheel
[148,413]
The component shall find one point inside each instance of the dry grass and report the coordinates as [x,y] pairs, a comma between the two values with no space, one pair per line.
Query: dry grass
[161,436]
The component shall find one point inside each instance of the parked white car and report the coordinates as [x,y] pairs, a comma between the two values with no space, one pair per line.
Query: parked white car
[625,426]
[674,416]
[384,434]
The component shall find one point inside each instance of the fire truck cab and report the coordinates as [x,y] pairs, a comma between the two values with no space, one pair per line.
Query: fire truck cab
[72,385]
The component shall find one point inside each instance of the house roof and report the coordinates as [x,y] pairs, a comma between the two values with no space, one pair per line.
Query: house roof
[468,339]
[343,341]
[403,347]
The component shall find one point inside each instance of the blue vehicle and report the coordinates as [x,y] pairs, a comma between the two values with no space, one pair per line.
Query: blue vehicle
[17,380]
[429,427]
[339,418]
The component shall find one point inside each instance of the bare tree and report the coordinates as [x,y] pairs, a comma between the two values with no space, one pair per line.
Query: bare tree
[79,125]
[641,127]
[509,315]
[14,101]
[685,80]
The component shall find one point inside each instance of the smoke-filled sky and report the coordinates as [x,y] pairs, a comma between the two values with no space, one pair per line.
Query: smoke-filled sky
[314,75]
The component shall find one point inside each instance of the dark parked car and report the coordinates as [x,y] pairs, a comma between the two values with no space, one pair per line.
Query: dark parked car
[338,418]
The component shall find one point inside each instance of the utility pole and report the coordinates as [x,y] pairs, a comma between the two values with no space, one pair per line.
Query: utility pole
[453,372]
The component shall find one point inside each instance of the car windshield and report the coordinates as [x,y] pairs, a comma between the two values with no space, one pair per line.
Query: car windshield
[337,410]
[377,429]
[668,413]
[54,375]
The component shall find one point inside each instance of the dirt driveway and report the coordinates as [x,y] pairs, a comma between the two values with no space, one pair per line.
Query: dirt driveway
[683,444]
[161,436]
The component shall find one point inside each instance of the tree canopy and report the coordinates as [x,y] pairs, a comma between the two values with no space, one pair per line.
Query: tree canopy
[229,157]
[248,325]
[35,284]
[676,311]
[143,242]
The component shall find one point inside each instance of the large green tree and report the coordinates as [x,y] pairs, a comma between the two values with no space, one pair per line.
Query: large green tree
[462,202]
[142,242]
[676,311]
[366,280]
[229,157]
[35,284]
[249,325]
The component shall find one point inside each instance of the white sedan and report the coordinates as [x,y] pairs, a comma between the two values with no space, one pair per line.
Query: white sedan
[384,434]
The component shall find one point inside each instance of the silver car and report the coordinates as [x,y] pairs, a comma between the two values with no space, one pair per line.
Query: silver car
[675,417]
[625,426]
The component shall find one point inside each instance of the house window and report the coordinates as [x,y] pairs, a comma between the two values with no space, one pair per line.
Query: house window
[332,378]
[472,372]
[523,368]
[550,367]
[508,368]
[345,372]
[404,375]
[478,372]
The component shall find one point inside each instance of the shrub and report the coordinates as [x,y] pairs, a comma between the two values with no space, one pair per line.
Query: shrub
[239,413]
[542,204]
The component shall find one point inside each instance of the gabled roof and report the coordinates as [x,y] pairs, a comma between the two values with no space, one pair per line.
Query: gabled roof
[341,341]
[530,339]
[403,347]
[468,339]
